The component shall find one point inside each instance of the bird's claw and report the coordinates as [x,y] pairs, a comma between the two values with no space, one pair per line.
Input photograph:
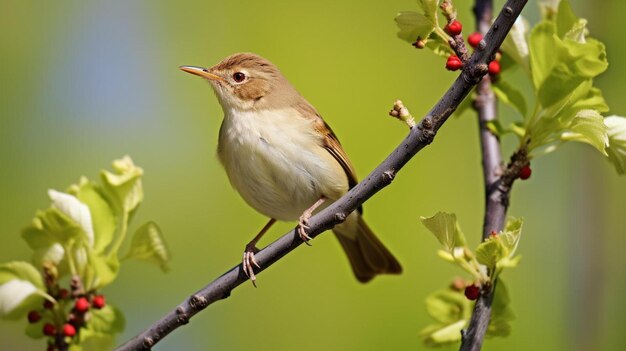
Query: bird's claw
[248,262]
[302,226]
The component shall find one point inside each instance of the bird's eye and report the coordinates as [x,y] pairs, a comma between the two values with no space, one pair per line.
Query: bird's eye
[239,77]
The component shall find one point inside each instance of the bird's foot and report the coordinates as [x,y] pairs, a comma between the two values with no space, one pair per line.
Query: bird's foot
[249,262]
[303,225]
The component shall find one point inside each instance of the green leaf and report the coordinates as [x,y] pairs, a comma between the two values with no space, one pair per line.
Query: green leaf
[101,270]
[103,218]
[90,340]
[448,306]
[108,320]
[21,288]
[413,25]
[62,228]
[99,334]
[430,9]
[508,262]
[509,95]
[124,186]
[588,127]
[439,46]
[148,244]
[565,18]
[616,130]
[501,312]
[420,25]
[36,237]
[511,235]
[77,211]
[22,271]
[489,252]
[48,235]
[438,335]
[542,52]
[561,121]
[562,57]
[574,63]
[45,246]
[515,45]
[497,251]
[446,229]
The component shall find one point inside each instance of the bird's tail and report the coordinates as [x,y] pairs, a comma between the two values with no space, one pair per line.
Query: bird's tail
[367,254]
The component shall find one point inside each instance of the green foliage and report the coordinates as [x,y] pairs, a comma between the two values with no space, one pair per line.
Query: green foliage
[424,26]
[452,311]
[446,229]
[560,60]
[449,307]
[78,239]
[149,245]
[20,284]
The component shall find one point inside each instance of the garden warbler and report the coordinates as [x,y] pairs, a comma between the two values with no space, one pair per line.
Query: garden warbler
[284,160]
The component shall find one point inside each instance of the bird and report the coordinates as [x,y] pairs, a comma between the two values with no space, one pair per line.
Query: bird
[284,159]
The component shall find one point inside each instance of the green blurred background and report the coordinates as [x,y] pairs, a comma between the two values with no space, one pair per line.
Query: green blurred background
[85,82]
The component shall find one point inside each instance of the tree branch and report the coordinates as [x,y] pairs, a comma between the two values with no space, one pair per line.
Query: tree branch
[419,137]
[497,184]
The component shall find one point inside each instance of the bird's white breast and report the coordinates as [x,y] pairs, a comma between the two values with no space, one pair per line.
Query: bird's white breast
[276,162]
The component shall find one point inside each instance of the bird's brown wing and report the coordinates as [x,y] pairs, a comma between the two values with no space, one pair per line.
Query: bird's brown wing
[330,143]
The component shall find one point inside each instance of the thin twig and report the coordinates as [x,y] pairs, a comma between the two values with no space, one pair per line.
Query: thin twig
[419,137]
[497,184]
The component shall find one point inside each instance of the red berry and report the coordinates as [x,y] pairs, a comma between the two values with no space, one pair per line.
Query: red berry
[454,28]
[63,294]
[81,305]
[525,173]
[69,330]
[472,292]
[494,68]
[34,317]
[49,329]
[47,304]
[474,39]
[454,63]
[98,301]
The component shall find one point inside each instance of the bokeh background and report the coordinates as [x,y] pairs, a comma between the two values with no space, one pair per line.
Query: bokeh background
[85,82]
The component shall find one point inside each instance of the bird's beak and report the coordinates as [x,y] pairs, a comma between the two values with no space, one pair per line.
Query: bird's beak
[202,72]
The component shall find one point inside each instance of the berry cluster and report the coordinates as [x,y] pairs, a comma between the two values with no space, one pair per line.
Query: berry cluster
[455,63]
[62,317]
[474,41]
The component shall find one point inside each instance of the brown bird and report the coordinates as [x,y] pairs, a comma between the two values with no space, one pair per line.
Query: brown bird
[284,160]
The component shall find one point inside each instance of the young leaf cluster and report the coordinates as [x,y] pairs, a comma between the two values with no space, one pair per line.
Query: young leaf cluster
[77,241]
[449,307]
[561,61]
[424,27]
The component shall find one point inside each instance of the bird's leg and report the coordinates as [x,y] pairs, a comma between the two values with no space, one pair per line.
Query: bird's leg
[303,222]
[251,249]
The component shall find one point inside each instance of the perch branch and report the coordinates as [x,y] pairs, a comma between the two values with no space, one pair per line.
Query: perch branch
[419,137]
